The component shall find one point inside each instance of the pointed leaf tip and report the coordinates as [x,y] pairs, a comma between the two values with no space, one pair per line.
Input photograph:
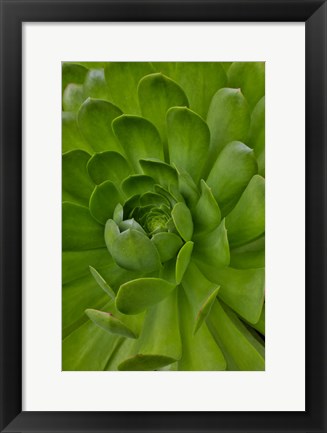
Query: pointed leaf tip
[109,323]
[183,260]
[205,309]
[183,220]
[102,283]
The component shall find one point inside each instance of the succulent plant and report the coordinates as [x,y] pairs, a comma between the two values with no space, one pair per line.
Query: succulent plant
[163,216]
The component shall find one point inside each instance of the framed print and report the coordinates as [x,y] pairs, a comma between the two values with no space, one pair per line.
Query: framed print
[163,216]
[148,187]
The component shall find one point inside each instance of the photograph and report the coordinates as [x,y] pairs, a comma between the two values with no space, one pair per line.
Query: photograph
[163,216]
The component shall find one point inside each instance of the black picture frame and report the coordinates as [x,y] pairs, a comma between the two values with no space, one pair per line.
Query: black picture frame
[13,14]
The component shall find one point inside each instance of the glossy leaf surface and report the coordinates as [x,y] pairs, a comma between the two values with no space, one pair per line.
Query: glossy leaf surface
[188,135]
[139,138]
[157,93]
[228,119]
[136,295]
[94,120]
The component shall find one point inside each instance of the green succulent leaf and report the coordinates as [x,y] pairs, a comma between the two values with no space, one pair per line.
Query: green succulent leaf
[135,296]
[200,351]
[124,349]
[108,166]
[246,222]
[103,201]
[183,220]
[75,264]
[72,73]
[228,120]
[76,185]
[212,247]
[73,97]
[77,296]
[201,294]
[260,325]
[250,255]
[209,77]
[187,189]
[79,230]
[243,290]
[250,78]
[188,135]
[226,65]
[85,292]
[164,174]
[137,184]
[153,199]
[102,283]
[206,215]
[94,121]
[183,260]
[95,85]
[241,350]
[118,215]
[133,250]
[110,323]
[257,134]
[231,173]
[157,93]
[88,348]
[122,80]
[160,341]
[139,138]
[72,138]
[111,233]
[167,244]
[131,224]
